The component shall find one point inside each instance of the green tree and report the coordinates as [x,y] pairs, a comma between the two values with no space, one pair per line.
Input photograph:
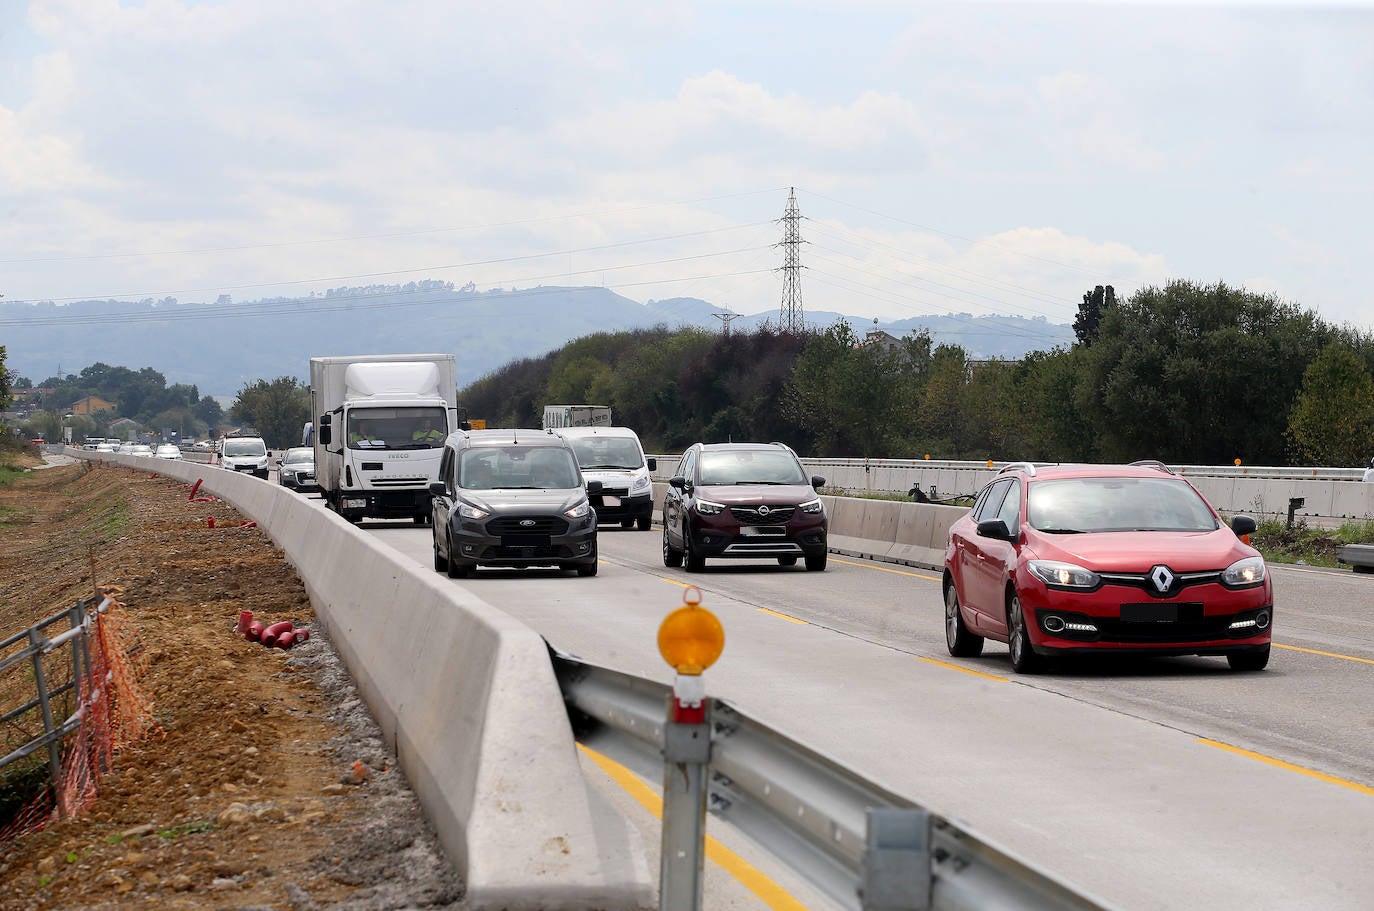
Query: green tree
[277,409]
[939,411]
[1095,303]
[6,388]
[1191,373]
[1332,421]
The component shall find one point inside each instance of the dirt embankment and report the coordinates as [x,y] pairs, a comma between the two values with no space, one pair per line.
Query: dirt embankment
[268,785]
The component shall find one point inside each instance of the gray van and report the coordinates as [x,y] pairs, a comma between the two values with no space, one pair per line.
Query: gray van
[512,498]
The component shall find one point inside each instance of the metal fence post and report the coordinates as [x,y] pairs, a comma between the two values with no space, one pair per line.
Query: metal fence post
[896,873]
[54,747]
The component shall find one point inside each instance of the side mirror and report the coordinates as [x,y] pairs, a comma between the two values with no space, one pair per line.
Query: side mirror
[817,481]
[994,528]
[1243,525]
[593,488]
[437,488]
[653,463]
[678,483]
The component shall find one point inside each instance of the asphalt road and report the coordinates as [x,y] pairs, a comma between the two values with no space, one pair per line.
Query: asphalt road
[1150,783]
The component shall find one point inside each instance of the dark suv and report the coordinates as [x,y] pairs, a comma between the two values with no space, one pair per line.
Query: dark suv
[512,498]
[743,500]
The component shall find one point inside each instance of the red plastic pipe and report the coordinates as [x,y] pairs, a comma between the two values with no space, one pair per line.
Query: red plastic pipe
[271,633]
[194,488]
[245,618]
[254,631]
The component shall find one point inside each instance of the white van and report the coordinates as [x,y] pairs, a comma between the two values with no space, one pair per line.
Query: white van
[244,454]
[613,456]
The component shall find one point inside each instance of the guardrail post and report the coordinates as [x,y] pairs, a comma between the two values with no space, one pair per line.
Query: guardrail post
[54,748]
[686,754]
[896,874]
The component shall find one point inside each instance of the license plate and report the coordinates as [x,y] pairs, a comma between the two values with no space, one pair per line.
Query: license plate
[1149,613]
[355,504]
[524,540]
[610,501]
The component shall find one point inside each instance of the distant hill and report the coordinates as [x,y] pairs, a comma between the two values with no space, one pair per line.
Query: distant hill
[223,346]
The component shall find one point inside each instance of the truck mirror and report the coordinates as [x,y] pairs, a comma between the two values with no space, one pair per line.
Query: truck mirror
[324,434]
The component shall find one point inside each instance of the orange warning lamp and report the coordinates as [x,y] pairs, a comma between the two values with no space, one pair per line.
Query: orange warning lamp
[690,639]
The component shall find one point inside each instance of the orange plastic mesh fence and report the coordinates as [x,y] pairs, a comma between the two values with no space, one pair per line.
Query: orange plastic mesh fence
[114,713]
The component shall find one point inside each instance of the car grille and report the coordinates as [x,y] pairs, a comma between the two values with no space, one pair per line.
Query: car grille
[1181,581]
[543,525]
[398,482]
[776,515]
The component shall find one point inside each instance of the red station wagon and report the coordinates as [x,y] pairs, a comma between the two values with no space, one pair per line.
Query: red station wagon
[1104,558]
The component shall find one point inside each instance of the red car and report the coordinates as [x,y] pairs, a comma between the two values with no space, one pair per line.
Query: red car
[1104,558]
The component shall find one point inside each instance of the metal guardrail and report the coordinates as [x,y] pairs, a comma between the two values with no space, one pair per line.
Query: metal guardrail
[862,845]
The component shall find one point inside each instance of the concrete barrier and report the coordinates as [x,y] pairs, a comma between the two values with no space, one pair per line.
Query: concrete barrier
[466,696]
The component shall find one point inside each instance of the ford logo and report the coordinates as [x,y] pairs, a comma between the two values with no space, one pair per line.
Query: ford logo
[526,523]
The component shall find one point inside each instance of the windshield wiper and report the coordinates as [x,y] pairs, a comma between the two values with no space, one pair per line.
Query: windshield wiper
[1063,531]
[597,467]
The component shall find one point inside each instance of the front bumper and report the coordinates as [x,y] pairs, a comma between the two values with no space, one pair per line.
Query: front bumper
[796,539]
[482,543]
[617,506]
[384,504]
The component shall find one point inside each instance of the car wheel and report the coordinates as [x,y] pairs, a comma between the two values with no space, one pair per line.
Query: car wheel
[960,642]
[817,563]
[671,556]
[627,523]
[1024,660]
[1253,660]
[440,562]
[587,569]
[453,569]
[787,561]
[694,561]
[644,523]
[421,519]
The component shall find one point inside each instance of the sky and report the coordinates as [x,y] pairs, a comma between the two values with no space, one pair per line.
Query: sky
[969,157]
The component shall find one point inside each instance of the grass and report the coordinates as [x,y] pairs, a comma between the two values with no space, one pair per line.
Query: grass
[1304,544]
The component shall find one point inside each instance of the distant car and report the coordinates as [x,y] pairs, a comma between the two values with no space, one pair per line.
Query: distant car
[743,501]
[614,456]
[1369,472]
[296,469]
[512,498]
[203,446]
[107,447]
[167,451]
[141,449]
[246,454]
[126,447]
[1112,559]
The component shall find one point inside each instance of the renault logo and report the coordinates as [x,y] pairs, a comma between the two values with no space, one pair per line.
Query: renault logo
[763,510]
[526,523]
[1162,578]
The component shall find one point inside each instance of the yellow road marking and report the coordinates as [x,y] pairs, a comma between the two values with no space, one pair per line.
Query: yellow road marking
[782,616]
[674,581]
[1312,651]
[750,876]
[883,569]
[1269,760]
[964,670]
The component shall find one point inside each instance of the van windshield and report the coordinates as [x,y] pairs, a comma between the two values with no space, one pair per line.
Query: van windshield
[516,467]
[245,448]
[607,452]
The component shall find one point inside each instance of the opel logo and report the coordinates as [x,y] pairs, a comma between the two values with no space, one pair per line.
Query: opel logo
[1162,578]
[526,523]
[763,510]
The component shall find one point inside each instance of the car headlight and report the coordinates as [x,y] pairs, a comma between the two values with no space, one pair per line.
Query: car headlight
[707,508]
[812,506]
[1063,575]
[641,483]
[1241,573]
[468,511]
[580,511]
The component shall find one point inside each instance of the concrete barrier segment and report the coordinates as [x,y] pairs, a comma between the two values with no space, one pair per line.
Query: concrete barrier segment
[467,697]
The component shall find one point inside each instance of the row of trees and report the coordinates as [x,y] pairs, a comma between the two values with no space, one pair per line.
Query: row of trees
[1186,373]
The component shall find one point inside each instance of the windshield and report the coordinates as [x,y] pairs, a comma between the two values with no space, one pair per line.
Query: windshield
[607,452]
[297,456]
[245,448]
[746,466]
[1070,505]
[542,467]
[396,428]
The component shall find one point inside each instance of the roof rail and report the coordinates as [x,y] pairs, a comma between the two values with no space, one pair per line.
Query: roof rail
[1027,467]
[1153,463]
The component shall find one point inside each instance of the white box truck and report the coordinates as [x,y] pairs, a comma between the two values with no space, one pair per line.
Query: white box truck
[557,417]
[380,421]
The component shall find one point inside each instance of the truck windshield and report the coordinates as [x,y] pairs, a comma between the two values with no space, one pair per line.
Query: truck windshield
[396,428]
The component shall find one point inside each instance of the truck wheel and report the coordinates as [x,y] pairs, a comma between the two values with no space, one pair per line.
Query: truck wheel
[645,522]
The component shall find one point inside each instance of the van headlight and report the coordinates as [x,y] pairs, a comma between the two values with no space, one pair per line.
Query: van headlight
[1063,575]
[1243,573]
[641,483]
[580,511]
[812,506]
[468,511]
